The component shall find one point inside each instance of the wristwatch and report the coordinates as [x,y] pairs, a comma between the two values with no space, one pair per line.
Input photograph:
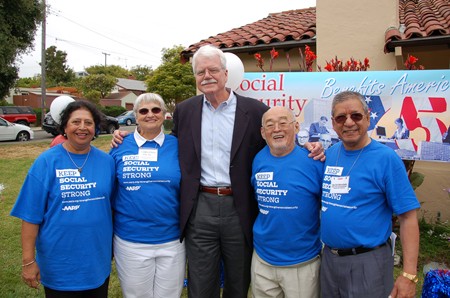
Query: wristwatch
[411,277]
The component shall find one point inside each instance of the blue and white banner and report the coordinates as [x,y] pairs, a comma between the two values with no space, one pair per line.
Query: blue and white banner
[420,99]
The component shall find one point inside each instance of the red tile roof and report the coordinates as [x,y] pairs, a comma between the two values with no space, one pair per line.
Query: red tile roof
[287,27]
[424,19]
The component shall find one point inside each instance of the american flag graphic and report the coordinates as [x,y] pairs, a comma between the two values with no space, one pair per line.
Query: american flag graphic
[376,109]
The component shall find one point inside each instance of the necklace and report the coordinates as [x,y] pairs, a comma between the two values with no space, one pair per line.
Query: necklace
[351,168]
[78,168]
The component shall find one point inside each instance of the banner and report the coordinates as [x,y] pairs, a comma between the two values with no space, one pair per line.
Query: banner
[408,109]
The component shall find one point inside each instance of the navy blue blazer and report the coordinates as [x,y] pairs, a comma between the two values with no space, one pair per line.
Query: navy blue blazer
[246,143]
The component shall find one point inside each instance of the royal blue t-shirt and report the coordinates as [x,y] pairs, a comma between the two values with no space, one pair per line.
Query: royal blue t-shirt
[147,205]
[378,187]
[73,211]
[286,231]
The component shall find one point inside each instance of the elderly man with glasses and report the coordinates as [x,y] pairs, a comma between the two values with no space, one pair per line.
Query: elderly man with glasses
[286,232]
[365,183]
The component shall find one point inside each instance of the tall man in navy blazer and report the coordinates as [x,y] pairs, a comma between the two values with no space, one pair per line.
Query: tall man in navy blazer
[218,134]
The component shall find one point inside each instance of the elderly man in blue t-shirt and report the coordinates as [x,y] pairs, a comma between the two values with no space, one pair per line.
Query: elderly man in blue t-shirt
[287,187]
[365,183]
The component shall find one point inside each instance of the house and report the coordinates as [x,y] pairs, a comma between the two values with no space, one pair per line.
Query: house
[32,96]
[384,31]
[125,93]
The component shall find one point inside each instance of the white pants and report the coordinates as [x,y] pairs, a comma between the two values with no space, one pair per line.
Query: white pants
[150,270]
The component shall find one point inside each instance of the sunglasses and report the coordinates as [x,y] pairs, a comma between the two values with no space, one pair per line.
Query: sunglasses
[144,111]
[342,118]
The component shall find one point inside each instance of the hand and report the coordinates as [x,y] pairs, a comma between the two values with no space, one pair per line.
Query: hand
[31,275]
[403,288]
[118,136]
[316,150]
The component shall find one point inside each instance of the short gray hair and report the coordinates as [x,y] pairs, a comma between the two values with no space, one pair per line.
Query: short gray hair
[346,95]
[148,98]
[209,51]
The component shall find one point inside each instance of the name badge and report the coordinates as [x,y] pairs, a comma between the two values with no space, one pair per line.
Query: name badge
[148,154]
[340,184]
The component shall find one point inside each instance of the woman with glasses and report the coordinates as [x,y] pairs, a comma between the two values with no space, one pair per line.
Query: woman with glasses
[149,256]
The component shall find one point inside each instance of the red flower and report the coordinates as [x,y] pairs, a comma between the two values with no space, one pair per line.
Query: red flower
[309,58]
[412,59]
[329,67]
[260,61]
[273,56]
[410,63]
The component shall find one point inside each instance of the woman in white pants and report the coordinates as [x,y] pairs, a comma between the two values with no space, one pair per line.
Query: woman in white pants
[149,256]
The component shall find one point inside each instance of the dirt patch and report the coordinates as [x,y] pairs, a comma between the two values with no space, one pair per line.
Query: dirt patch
[25,151]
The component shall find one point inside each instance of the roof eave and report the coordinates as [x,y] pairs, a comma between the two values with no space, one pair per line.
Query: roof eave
[420,41]
[282,45]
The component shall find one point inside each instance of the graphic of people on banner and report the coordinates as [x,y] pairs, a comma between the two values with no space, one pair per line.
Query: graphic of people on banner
[408,109]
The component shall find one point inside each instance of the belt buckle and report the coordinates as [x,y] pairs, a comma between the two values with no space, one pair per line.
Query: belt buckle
[334,251]
[218,192]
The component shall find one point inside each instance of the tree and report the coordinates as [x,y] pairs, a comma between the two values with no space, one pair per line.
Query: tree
[110,70]
[97,84]
[18,23]
[57,71]
[141,73]
[34,82]
[172,80]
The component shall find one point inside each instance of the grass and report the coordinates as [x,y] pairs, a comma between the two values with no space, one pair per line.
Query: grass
[15,161]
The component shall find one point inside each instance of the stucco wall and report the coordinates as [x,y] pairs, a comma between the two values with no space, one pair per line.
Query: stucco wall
[349,28]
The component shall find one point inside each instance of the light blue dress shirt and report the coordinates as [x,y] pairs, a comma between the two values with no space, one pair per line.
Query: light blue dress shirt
[217,135]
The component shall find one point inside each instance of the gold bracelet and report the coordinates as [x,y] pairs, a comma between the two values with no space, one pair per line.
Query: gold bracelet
[411,277]
[28,264]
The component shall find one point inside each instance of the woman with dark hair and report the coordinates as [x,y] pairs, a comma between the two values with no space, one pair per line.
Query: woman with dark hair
[401,132]
[66,215]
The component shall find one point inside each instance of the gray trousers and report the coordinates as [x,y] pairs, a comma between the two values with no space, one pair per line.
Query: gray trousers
[368,275]
[213,234]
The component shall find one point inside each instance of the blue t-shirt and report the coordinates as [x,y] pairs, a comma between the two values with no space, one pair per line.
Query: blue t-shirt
[147,206]
[73,211]
[379,187]
[288,188]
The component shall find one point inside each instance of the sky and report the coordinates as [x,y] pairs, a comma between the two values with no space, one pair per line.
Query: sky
[134,32]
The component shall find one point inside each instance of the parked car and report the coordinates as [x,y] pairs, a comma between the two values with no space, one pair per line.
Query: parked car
[126,118]
[13,131]
[108,125]
[18,114]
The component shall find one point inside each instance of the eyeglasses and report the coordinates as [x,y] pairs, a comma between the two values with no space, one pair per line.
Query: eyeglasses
[144,111]
[211,71]
[342,118]
[284,124]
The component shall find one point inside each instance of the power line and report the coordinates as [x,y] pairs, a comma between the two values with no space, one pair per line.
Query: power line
[58,14]
[92,47]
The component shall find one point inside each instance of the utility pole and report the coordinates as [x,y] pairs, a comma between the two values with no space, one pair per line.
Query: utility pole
[43,64]
[106,54]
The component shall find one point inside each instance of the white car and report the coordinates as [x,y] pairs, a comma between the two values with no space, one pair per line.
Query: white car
[13,131]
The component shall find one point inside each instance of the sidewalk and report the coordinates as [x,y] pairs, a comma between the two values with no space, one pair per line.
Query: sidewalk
[36,128]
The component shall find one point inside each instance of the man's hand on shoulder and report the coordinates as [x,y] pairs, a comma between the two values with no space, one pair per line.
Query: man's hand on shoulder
[316,150]
[118,136]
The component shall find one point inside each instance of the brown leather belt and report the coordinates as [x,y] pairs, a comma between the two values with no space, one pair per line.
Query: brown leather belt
[220,191]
